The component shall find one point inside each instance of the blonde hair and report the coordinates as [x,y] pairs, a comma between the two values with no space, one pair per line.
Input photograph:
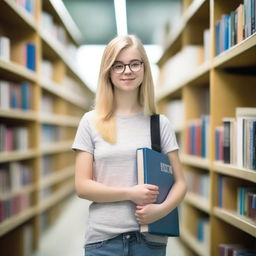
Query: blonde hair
[105,103]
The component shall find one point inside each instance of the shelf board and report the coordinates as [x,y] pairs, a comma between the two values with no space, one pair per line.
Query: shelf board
[9,69]
[14,221]
[11,11]
[64,16]
[193,243]
[56,197]
[17,155]
[176,36]
[59,91]
[241,54]
[198,201]
[241,222]
[62,120]
[23,189]
[56,147]
[59,49]
[195,161]
[234,171]
[199,75]
[57,176]
[18,114]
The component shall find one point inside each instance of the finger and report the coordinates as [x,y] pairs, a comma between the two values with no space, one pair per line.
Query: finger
[152,187]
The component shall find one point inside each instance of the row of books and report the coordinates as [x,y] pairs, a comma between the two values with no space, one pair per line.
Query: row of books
[50,133]
[13,176]
[198,183]
[236,26]
[58,33]
[235,250]
[247,202]
[198,137]
[15,95]
[14,205]
[203,232]
[13,138]
[236,139]
[46,165]
[27,5]
[232,195]
[24,55]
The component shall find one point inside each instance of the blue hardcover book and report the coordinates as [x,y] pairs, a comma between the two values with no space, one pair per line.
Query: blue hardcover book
[31,56]
[154,168]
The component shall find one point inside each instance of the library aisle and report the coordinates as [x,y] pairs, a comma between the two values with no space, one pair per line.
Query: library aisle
[65,237]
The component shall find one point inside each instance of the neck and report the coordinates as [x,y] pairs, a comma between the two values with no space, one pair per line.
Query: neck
[127,102]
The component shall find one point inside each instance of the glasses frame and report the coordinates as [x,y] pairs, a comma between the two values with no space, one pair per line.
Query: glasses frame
[129,65]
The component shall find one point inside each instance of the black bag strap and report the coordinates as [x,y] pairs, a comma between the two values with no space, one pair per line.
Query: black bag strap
[155,132]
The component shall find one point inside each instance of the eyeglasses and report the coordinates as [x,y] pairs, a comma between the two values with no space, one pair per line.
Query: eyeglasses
[134,66]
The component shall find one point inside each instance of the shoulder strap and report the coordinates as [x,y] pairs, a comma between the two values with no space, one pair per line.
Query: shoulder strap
[155,132]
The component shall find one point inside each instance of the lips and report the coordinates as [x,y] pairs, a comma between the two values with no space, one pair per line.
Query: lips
[127,79]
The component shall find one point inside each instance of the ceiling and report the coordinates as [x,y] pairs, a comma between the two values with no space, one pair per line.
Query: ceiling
[96,18]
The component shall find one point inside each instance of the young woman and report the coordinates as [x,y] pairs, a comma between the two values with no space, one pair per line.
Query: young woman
[106,143]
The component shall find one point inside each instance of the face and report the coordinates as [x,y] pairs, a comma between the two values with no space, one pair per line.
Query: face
[128,80]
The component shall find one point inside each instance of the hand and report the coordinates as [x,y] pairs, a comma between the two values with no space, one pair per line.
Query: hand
[144,194]
[146,214]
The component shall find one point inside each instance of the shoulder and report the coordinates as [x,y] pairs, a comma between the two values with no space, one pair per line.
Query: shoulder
[164,120]
[88,116]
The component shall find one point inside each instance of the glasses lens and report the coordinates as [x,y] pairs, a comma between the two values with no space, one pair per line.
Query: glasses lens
[118,68]
[135,65]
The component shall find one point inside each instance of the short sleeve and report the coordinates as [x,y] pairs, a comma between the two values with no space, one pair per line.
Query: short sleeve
[168,138]
[83,139]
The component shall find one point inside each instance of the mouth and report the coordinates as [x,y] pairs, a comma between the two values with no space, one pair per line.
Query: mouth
[127,79]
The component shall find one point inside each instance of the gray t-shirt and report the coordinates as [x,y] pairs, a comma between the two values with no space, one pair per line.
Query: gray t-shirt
[115,165]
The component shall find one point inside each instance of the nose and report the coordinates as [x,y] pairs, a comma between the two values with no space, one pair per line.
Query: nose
[127,69]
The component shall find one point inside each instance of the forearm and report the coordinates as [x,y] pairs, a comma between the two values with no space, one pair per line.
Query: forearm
[100,193]
[174,197]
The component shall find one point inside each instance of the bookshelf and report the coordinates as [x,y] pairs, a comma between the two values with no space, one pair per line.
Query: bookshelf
[42,98]
[226,82]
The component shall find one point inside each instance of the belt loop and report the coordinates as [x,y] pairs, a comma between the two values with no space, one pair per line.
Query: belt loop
[138,236]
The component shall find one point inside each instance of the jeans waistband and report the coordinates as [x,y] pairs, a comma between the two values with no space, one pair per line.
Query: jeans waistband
[133,235]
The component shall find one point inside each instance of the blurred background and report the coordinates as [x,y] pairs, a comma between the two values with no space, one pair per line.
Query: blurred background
[202,55]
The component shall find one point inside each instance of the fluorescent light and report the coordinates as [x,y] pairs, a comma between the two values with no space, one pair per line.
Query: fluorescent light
[121,19]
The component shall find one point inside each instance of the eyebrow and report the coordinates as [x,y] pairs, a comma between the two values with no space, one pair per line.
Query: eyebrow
[123,62]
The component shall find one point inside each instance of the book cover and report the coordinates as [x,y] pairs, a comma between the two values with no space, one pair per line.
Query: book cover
[154,168]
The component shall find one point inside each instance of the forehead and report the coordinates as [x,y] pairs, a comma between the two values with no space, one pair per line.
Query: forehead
[128,54]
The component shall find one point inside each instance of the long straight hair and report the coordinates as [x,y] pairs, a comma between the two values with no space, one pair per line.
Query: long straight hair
[105,102]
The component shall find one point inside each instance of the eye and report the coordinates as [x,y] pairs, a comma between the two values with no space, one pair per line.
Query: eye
[118,66]
[135,64]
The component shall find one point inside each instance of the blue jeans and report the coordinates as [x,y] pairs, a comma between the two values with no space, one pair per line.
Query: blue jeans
[126,244]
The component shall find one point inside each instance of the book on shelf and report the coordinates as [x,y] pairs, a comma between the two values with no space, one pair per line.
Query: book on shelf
[155,168]
[229,142]
[198,137]
[219,143]
[246,137]
[236,249]
[203,231]
[5,48]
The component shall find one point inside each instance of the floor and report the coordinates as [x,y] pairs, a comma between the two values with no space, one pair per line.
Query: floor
[65,237]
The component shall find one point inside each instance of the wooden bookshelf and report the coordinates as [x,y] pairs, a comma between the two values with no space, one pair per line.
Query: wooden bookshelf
[69,98]
[198,201]
[229,78]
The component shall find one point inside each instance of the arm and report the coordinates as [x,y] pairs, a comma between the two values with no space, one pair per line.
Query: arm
[89,189]
[152,212]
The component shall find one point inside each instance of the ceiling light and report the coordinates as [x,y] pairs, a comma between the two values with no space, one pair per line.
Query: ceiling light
[121,19]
